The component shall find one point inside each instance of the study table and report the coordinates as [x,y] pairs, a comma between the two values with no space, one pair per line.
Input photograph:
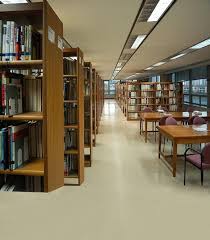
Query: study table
[182,134]
[154,117]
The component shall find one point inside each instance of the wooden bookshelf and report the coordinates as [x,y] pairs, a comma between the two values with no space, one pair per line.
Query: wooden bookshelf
[88,113]
[99,100]
[74,121]
[133,97]
[41,16]
[94,107]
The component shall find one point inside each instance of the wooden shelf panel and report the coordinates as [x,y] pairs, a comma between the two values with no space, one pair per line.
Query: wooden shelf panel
[71,126]
[70,101]
[23,116]
[73,151]
[21,64]
[33,168]
[69,76]
[72,175]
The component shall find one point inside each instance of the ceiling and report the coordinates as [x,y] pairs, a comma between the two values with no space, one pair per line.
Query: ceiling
[184,25]
[100,28]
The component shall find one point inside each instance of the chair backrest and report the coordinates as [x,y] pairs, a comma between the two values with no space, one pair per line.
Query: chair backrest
[147,109]
[198,120]
[206,153]
[163,121]
[190,120]
[171,121]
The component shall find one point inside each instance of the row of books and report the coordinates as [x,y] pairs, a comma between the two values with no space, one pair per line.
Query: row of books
[20,94]
[70,113]
[19,144]
[69,66]
[86,88]
[19,42]
[11,183]
[70,139]
[70,89]
[70,164]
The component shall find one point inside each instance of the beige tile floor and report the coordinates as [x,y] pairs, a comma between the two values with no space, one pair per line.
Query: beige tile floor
[128,195]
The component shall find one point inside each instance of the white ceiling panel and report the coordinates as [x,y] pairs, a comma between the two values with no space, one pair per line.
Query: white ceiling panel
[98,27]
[185,24]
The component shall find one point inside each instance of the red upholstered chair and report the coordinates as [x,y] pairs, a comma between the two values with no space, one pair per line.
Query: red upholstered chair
[190,120]
[147,109]
[198,121]
[201,160]
[171,121]
[163,121]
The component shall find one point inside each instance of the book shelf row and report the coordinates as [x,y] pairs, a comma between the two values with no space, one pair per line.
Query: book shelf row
[133,97]
[49,105]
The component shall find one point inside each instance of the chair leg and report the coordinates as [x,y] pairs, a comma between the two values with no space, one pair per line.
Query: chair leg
[202,177]
[185,165]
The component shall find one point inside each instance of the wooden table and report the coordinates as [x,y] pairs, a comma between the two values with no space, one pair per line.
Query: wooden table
[182,134]
[156,116]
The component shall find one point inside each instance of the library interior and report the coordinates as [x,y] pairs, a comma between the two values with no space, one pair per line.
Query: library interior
[105,119]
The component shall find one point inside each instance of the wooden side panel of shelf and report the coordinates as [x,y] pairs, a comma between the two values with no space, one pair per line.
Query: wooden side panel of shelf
[80,85]
[53,102]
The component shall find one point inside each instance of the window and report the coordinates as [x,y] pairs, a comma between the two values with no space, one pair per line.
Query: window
[109,88]
[199,92]
[186,98]
[186,87]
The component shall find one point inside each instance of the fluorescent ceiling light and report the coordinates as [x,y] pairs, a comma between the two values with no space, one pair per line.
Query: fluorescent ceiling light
[178,56]
[138,41]
[159,10]
[13,1]
[203,44]
[118,69]
[149,68]
[158,64]
[119,64]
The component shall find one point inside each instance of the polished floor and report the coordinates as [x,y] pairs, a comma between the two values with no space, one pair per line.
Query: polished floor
[128,194]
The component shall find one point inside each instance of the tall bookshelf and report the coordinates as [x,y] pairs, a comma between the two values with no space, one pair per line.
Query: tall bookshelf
[88,113]
[73,77]
[139,95]
[94,107]
[99,100]
[50,111]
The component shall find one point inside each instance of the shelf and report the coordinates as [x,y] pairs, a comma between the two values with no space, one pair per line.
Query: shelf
[72,175]
[23,116]
[21,64]
[33,168]
[71,126]
[68,152]
[87,145]
[70,101]
[70,76]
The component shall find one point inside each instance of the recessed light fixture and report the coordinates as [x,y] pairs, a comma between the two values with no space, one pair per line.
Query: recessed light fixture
[158,64]
[160,8]
[149,68]
[202,44]
[178,56]
[13,1]
[138,41]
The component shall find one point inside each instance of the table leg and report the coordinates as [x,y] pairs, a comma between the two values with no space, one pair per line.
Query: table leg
[160,140]
[174,158]
[145,131]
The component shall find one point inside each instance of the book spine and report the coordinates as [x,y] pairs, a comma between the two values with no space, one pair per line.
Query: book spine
[4,42]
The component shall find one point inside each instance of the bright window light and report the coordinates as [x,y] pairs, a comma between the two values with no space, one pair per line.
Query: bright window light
[203,44]
[178,56]
[149,68]
[138,41]
[158,64]
[159,10]
[13,1]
